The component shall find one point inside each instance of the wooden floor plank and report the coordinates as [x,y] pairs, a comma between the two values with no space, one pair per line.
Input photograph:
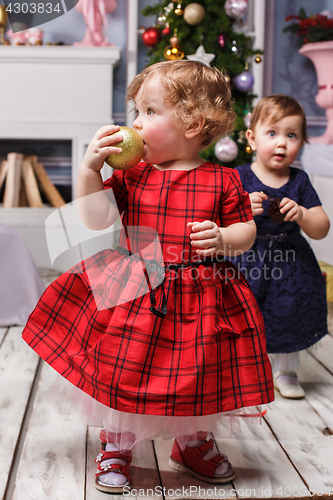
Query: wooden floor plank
[52,466]
[299,430]
[18,364]
[299,426]
[262,468]
[323,352]
[318,385]
[144,474]
[3,331]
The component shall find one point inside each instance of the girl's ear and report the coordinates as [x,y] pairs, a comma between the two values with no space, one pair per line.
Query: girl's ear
[251,139]
[195,128]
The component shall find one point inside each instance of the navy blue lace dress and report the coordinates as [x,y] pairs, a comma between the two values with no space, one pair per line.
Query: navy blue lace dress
[282,269]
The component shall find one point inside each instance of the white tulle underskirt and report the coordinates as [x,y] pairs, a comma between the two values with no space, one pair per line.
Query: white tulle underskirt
[150,426]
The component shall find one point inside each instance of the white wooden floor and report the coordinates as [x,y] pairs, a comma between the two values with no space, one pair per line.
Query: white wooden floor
[48,453]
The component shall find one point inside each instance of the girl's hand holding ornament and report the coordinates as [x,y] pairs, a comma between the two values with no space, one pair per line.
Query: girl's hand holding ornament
[291,210]
[206,237]
[105,147]
[132,149]
[102,144]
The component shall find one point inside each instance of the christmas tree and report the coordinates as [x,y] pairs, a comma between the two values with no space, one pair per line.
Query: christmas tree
[215,31]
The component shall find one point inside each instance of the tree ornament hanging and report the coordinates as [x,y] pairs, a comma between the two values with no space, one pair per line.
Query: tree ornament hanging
[248,149]
[175,51]
[151,36]
[226,149]
[241,137]
[244,82]
[235,8]
[247,119]
[166,31]
[169,8]
[222,40]
[201,56]
[258,59]
[161,20]
[178,10]
[240,27]
[235,49]
[194,13]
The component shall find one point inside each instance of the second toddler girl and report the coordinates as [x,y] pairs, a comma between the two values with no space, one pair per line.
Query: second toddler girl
[281,267]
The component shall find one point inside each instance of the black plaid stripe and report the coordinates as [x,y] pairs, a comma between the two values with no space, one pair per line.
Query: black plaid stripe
[207,355]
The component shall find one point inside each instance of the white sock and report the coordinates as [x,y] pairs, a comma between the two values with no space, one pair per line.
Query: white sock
[286,362]
[221,469]
[113,478]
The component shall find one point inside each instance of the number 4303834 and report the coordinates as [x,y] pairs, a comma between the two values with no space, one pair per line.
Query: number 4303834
[33,8]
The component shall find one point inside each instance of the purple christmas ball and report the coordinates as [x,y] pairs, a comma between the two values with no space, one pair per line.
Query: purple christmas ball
[235,8]
[244,82]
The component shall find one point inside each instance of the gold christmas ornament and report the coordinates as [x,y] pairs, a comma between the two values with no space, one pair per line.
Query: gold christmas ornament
[178,10]
[258,59]
[248,149]
[132,146]
[174,52]
[194,14]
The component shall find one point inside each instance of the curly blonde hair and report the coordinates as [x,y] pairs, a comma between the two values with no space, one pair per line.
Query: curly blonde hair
[197,91]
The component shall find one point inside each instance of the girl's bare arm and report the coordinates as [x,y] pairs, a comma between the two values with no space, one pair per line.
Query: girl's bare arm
[313,221]
[95,208]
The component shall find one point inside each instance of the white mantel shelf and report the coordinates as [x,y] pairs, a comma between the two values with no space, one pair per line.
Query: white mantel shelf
[51,86]
[59,53]
[53,93]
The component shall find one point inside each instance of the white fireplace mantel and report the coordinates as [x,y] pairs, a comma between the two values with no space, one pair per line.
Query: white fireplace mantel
[56,92]
[53,93]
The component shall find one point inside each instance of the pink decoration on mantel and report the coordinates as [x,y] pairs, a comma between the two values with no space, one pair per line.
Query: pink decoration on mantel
[94,13]
[321,54]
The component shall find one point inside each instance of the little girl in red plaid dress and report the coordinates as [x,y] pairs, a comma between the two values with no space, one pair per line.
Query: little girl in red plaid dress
[162,331]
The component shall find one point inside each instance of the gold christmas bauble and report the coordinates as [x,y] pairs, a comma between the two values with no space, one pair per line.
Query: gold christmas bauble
[248,150]
[194,13]
[178,10]
[174,53]
[132,146]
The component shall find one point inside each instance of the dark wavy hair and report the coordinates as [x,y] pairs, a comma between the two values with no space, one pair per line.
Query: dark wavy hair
[197,91]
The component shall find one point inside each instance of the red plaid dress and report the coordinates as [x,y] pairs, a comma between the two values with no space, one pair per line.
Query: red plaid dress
[207,354]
